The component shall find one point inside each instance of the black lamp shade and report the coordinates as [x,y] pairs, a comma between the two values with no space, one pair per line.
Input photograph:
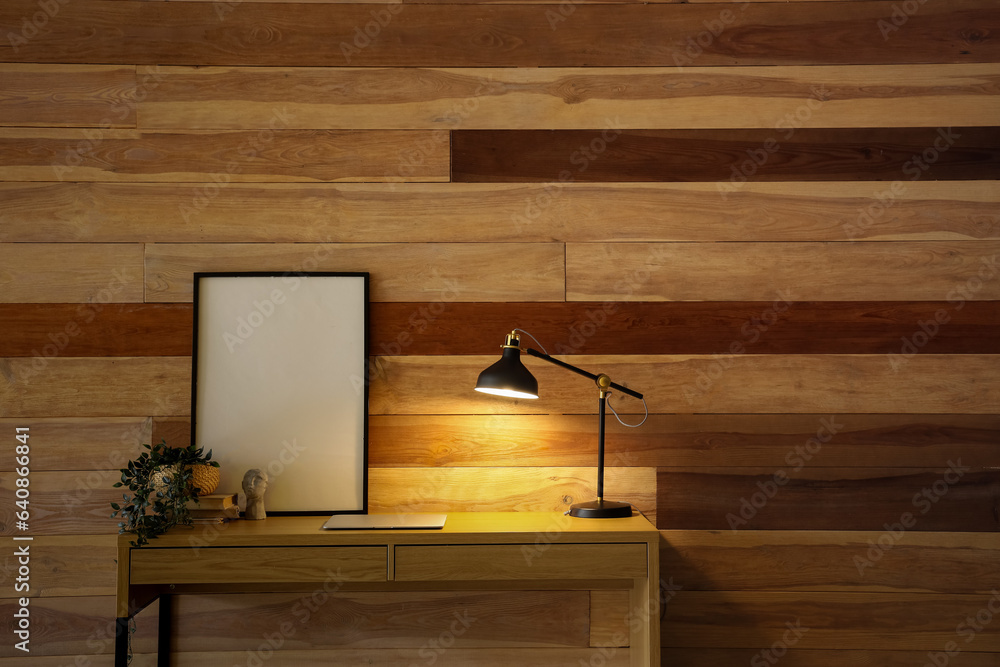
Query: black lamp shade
[508,377]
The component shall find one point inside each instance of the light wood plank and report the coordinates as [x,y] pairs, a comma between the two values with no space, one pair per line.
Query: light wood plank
[63,503]
[743,619]
[68,95]
[918,441]
[911,561]
[498,212]
[805,271]
[498,489]
[96,274]
[784,98]
[272,154]
[110,387]
[63,565]
[796,384]
[400,272]
[82,443]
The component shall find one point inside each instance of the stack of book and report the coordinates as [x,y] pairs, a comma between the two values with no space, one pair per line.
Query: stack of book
[214,508]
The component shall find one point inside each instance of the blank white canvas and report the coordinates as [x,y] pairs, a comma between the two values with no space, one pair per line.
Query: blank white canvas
[280,386]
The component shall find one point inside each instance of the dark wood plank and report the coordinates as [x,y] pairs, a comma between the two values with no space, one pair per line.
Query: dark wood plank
[80,629]
[174,33]
[841,621]
[274,155]
[764,560]
[727,657]
[683,327]
[730,156]
[916,441]
[450,327]
[95,330]
[954,497]
[386,619]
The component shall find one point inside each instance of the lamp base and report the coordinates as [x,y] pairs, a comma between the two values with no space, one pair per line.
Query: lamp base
[601,509]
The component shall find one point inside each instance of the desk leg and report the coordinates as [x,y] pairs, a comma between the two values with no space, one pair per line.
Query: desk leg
[121,641]
[163,632]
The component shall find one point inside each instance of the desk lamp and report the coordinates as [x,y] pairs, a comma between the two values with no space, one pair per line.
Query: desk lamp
[509,377]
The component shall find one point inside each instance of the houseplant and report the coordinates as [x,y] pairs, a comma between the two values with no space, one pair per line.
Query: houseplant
[160,487]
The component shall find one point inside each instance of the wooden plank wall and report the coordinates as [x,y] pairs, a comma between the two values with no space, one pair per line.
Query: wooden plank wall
[780,221]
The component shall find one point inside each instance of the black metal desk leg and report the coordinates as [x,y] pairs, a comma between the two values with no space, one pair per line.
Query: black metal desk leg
[163,632]
[121,641]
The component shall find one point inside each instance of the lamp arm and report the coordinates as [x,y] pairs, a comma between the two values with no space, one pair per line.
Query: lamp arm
[570,367]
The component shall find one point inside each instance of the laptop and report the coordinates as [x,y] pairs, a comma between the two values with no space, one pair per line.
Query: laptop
[384,521]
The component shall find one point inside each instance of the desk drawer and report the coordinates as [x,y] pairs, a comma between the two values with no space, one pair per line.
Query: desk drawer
[473,562]
[239,565]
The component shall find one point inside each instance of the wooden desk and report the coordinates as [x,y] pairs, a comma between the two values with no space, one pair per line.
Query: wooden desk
[475,550]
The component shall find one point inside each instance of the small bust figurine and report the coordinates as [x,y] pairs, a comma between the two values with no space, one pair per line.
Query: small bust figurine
[254,485]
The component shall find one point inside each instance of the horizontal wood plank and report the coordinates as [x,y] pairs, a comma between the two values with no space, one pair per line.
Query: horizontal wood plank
[95,387]
[91,273]
[484,489]
[611,153]
[63,565]
[68,95]
[687,327]
[479,212]
[724,657]
[84,444]
[843,621]
[903,270]
[71,627]
[752,384]
[274,154]
[802,496]
[63,503]
[172,33]
[44,331]
[380,657]
[917,441]
[399,271]
[383,620]
[784,98]
[813,560]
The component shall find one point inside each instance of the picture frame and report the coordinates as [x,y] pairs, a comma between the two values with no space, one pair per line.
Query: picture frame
[279,383]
